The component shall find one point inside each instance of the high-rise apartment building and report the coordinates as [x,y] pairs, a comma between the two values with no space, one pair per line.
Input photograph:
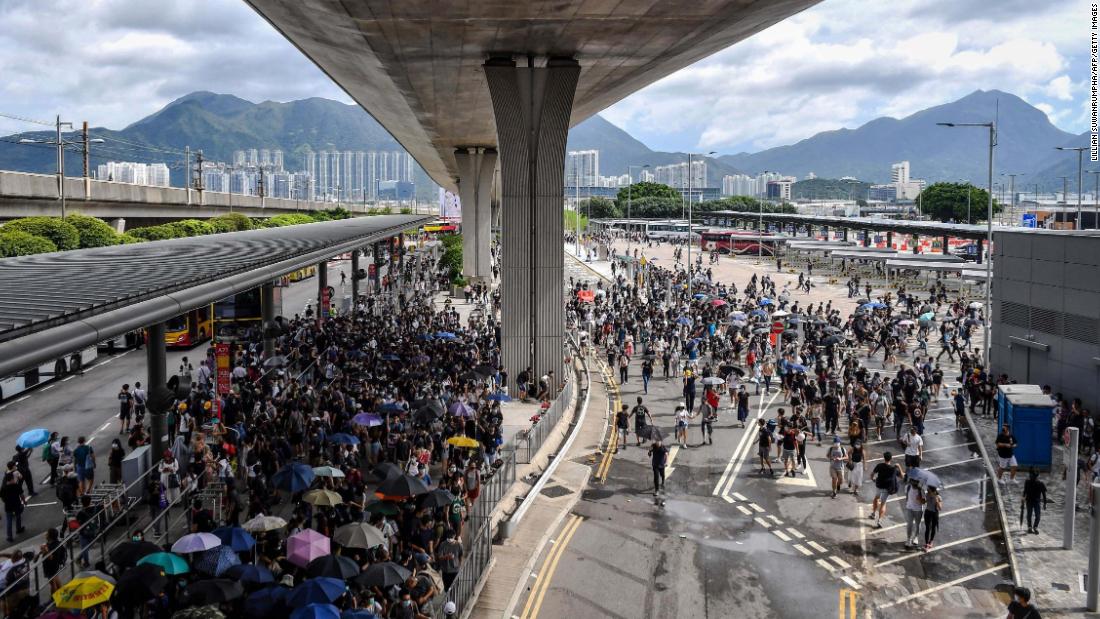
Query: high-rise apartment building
[676,175]
[582,168]
[738,185]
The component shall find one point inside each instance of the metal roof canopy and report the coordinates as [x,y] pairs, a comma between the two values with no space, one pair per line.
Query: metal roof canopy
[927,228]
[53,304]
[936,265]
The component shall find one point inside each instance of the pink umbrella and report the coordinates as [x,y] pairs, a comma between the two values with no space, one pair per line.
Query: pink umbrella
[718,302]
[306,546]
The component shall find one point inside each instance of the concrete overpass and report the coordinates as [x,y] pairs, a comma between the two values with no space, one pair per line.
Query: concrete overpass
[456,83]
[28,195]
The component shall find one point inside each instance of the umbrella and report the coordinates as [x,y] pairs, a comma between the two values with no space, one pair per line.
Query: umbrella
[215,561]
[831,329]
[459,408]
[236,538]
[873,305]
[262,524]
[651,433]
[327,471]
[975,305]
[738,316]
[683,320]
[382,575]
[485,370]
[386,470]
[766,301]
[905,323]
[266,601]
[431,404]
[760,313]
[377,506]
[927,316]
[390,358]
[403,486]
[294,477]
[699,295]
[761,330]
[713,380]
[171,564]
[367,419]
[731,369]
[780,313]
[445,335]
[213,591]
[141,583]
[463,441]
[251,574]
[33,438]
[359,535]
[500,396]
[276,361]
[323,498]
[127,554]
[97,574]
[199,612]
[925,478]
[718,302]
[83,593]
[342,439]
[738,323]
[196,542]
[796,367]
[832,340]
[321,590]
[392,407]
[333,566]
[439,497]
[316,611]
[306,546]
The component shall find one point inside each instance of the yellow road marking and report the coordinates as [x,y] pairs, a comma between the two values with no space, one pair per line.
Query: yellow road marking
[546,574]
[847,604]
[613,436]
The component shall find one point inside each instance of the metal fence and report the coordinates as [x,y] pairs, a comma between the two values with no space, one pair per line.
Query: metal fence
[533,437]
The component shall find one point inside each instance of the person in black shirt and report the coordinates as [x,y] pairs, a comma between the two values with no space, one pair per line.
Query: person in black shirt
[658,455]
[1006,458]
[885,475]
[1020,607]
[622,421]
[1034,490]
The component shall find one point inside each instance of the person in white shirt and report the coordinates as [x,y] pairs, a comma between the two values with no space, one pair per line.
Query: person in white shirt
[914,448]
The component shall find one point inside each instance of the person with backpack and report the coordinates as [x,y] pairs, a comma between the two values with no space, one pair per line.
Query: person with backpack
[84,459]
[11,494]
[885,475]
[640,413]
[764,440]
[23,465]
[51,453]
[838,460]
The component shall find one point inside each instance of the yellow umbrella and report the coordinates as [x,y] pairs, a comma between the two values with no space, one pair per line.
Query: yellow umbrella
[463,441]
[83,593]
[326,498]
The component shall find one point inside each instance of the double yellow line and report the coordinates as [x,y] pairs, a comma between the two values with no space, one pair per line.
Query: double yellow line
[613,437]
[847,604]
[542,582]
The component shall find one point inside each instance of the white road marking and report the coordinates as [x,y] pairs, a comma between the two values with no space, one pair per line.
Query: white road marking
[802,549]
[21,399]
[106,425]
[844,565]
[671,456]
[41,504]
[808,480]
[739,496]
[942,514]
[816,546]
[68,378]
[781,535]
[851,583]
[936,449]
[756,508]
[4,406]
[825,564]
[729,500]
[48,387]
[947,487]
[795,532]
[774,519]
[763,523]
[938,547]
[943,466]
[745,448]
[946,585]
[744,510]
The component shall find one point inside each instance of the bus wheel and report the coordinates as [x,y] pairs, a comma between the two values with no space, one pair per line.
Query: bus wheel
[59,368]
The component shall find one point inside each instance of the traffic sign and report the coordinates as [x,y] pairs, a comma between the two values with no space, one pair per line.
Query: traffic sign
[777,327]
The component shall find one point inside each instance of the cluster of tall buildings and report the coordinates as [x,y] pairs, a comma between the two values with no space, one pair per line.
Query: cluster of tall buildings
[331,176]
[582,169]
[676,175]
[152,174]
[900,188]
[745,185]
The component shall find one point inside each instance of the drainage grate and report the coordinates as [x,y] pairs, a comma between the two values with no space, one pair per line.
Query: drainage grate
[555,491]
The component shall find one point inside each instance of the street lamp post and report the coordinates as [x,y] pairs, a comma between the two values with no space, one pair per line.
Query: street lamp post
[1079,149]
[1011,197]
[760,221]
[1095,199]
[629,186]
[689,202]
[61,143]
[992,126]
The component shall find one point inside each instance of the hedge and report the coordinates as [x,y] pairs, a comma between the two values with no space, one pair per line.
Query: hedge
[19,243]
[153,233]
[190,227]
[94,232]
[61,233]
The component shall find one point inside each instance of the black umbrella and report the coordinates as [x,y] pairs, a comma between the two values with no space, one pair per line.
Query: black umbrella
[832,339]
[485,370]
[403,486]
[127,554]
[213,591]
[731,369]
[141,583]
[439,497]
[833,330]
[430,404]
[382,575]
[332,566]
[386,470]
[651,433]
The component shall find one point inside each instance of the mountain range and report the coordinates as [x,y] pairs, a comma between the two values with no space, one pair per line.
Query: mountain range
[220,124]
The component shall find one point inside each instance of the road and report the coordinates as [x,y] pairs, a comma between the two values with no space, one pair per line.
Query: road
[729,542]
[87,405]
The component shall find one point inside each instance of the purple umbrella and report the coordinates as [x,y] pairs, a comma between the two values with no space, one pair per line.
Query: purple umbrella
[307,546]
[367,419]
[459,409]
[196,542]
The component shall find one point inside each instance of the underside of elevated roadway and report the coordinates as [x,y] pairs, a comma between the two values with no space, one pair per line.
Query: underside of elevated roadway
[416,65]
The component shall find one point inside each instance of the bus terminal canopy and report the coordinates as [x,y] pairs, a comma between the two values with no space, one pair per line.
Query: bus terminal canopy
[876,224]
[53,304]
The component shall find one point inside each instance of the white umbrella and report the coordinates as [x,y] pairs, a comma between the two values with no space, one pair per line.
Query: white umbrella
[905,323]
[976,305]
[196,542]
[780,313]
[713,380]
[263,523]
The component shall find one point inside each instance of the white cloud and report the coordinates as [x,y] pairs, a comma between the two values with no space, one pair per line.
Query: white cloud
[1060,88]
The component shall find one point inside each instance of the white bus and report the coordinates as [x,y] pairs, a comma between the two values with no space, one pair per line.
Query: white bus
[16,384]
[672,230]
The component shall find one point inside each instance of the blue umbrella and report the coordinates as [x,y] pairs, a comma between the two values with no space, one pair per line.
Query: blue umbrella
[390,358]
[33,438]
[738,316]
[294,477]
[266,601]
[322,590]
[367,419]
[316,611]
[249,573]
[699,295]
[216,560]
[873,305]
[424,336]
[500,397]
[445,335]
[343,439]
[392,407]
[766,301]
[796,367]
[760,313]
[236,538]
[684,320]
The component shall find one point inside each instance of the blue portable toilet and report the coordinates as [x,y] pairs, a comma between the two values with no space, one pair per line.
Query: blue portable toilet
[1004,391]
[1030,418]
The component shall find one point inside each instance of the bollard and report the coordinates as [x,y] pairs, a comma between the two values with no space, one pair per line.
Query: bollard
[1092,587]
[1069,507]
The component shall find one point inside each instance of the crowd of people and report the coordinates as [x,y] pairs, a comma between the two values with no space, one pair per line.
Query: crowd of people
[388,416]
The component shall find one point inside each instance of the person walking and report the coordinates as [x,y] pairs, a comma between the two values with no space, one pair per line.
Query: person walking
[641,414]
[1020,607]
[681,415]
[658,458]
[885,475]
[1034,500]
[125,408]
[857,466]
[742,405]
[914,512]
[838,460]
[622,424]
[933,505]
[11,494]
[914,448]
[1006,454]
[764,442]
[689,389]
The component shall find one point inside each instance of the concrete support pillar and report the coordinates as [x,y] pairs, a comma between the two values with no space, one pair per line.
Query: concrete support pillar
[156,372]
[376,279]
[117,224]
[322,283]
[531,107]
[267,309]
[946,247]
[866,238]
[916,243]
[845,233]
[981,250]
[889,238]
[354,281]
[475,188]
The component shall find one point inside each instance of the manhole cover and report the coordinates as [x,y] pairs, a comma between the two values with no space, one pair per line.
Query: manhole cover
[555,491]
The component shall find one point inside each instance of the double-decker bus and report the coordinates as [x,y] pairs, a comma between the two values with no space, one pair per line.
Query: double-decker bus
[189,328]
[236,314]
[738,242]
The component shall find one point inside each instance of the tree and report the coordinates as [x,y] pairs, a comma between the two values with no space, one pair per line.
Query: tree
[59,232]
[600,208]
[190,227]
[948,202]
[20,243]
[644,190]
[152,233]
[231,222]
[94,232]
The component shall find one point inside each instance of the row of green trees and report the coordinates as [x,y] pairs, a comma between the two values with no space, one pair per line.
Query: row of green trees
[36,235]
[656,201]
[451,260]
[957,202]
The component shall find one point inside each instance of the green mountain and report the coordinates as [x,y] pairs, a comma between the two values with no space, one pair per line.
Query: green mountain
[829,189]
[1026,139]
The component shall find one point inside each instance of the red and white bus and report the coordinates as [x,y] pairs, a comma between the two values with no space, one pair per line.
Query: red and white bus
[738,242]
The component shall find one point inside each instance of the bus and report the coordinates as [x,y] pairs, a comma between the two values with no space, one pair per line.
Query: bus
[236,314]
[11,386]
[302,274]
[189,328]
[671,230]
[739,242]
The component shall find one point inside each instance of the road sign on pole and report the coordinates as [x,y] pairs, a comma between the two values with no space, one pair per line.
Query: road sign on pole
[1070,503]
[777,327]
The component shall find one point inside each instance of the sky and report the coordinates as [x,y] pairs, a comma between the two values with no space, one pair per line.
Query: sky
[838,64]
